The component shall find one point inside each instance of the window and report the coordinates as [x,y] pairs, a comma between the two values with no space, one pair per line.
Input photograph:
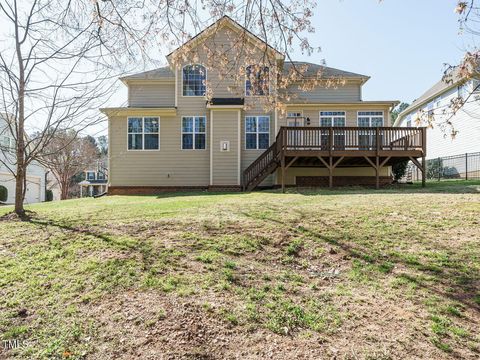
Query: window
[143,133]
[257,132]
[194,77]
[194,132]
[333,119]
[257,81]
[90,175]
[370,118]
[367,138]
[408,121]
[100,176]
[295,114]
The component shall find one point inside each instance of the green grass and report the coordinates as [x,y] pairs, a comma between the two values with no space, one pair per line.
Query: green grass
[314,264]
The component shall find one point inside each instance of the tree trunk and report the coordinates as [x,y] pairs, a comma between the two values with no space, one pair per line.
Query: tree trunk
[20,129]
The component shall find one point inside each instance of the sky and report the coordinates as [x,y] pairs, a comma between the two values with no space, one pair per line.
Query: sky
[401,44]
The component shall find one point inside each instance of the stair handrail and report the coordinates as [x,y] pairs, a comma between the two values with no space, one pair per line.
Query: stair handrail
[274,148]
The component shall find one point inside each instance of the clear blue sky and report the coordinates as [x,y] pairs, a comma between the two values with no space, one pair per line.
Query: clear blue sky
[401,44]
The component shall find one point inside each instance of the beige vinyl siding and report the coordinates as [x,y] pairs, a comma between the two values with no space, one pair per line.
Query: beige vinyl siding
[348,92]
[169,166]
[351,113]
[151,95]
[249,156]
[225,169]
[222,85]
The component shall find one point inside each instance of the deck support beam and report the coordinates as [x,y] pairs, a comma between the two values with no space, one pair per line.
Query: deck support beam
[330,165]
[422,166]
[377,165]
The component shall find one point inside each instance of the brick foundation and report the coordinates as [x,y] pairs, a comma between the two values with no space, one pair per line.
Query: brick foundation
[154,190]
[322,181]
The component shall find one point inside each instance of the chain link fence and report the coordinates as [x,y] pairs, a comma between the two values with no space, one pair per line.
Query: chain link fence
[460,167]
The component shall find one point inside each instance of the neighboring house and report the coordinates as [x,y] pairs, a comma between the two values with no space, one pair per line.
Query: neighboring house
[96,179]
[171,137]
[35,191]
[465,122]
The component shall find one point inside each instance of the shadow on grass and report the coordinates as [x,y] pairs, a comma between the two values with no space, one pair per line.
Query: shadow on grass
[447,280]
[136,246]
[432,187]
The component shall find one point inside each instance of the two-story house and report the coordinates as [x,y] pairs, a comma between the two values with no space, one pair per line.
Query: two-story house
[95,179]
[464,123]
[188,126]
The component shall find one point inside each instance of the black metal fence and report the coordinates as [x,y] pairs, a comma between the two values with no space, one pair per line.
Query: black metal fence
[461,167]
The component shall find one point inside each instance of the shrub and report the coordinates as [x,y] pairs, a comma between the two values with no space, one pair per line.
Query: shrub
[49,195]
[3,193]
[399,170]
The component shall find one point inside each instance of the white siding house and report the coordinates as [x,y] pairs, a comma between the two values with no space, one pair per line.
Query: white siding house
[466,122]
[35,172]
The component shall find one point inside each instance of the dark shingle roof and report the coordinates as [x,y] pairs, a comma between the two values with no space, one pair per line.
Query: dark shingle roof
[161,73]
[325,71]
[312,70]
[227,101]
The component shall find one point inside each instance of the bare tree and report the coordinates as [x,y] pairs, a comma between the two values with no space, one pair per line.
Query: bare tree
[66,156]
[59,59]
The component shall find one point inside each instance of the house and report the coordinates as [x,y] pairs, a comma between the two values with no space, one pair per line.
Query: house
[36,173]
[436,102]
[189,126]
[95,179]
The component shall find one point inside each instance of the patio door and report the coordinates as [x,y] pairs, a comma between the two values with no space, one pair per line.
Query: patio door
[295,138]
[336,120]
[367,138]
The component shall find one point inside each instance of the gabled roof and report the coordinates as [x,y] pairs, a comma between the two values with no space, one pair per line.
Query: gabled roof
[439,88]
[226,20]
[314,69]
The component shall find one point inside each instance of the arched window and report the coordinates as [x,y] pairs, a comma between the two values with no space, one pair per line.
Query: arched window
[194,77]
[256,82]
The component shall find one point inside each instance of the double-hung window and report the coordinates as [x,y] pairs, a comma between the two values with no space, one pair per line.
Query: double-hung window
[194,80]
[257,81]
[257,132]
[194,132]
[333,119]
[90,175]
[367,138]
[143,133]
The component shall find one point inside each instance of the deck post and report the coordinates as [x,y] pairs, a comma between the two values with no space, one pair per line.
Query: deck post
[424,170]
[330,173]
[377,171]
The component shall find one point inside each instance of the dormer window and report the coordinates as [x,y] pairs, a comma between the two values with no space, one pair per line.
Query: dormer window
[257,81]
[194,77]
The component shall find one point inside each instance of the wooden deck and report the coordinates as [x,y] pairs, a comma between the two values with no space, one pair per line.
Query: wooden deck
[338,147]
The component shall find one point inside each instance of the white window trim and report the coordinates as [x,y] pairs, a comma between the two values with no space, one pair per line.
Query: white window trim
[181,131]
[370,117]
[344,116]
[181,85]
[143,133]
[257,132]
[269,84]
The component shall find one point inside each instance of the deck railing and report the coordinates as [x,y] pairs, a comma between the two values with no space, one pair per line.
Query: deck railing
[352,138]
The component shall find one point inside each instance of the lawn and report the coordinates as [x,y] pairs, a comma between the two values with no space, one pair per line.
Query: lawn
[346,274]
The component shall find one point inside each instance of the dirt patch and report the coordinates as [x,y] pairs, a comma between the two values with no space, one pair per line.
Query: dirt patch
[154,325]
